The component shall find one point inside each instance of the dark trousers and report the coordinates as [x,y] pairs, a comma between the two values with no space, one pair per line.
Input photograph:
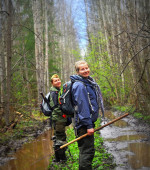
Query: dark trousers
[59,131]
[60,139]
[86,150]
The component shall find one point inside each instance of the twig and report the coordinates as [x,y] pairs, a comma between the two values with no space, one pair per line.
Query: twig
[134,57]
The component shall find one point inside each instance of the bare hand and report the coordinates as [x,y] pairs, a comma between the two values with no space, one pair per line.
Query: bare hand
[90,131]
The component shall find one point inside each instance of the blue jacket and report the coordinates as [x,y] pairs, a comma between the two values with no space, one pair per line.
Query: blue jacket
[85,116]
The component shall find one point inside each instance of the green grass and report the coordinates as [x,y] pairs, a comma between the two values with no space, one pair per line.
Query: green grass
[147,118]
[131,110]
[138,115]
[102,160]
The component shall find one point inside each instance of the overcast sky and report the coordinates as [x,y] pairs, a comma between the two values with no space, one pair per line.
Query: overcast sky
[78,12]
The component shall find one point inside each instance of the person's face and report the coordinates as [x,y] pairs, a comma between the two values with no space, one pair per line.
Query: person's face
[84,70]
[56,82]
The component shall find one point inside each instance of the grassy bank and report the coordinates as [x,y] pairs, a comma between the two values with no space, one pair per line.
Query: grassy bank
[102,160]
[131,110]
[22,129]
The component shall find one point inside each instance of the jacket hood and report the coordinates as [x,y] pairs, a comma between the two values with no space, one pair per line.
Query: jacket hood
[87,81]
[78,78]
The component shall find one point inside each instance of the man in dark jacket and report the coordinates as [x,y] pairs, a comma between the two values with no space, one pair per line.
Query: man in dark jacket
[87,99]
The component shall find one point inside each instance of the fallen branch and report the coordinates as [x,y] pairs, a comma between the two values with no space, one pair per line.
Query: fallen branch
[13,124]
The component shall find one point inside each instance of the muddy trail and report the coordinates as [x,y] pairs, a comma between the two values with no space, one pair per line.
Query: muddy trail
[31,152]
[31,156]
[128,140]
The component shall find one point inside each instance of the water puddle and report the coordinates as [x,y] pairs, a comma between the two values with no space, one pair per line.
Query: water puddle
[128,138]
[141,157]
[126,143]
[32,156]
[119,123]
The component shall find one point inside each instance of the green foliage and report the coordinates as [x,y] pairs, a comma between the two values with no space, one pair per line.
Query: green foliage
[147,118]
[138,115]
[18,134]
[101,68]
[22,129]
[76,54]
[141,116]
[106,71]
[24,124]
[102,159]
[53,65]
[23,59]
[129,109]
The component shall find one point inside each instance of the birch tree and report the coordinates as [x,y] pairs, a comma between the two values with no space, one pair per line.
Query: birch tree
[39,56]
[125,25]
[46,66]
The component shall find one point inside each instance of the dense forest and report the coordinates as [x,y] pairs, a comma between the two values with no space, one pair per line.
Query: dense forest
[41,37]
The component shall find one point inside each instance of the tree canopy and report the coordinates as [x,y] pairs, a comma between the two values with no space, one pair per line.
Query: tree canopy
[41,37]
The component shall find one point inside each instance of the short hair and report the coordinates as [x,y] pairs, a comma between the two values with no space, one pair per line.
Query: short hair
[79,63]
[54,76]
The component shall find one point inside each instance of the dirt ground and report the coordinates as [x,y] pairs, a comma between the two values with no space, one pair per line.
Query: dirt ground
[12,145]
[119,140]
[128,141]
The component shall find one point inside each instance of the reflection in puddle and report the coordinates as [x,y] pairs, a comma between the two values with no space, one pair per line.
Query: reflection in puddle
[32,156]
[127,138]
[141,157]
[119,123]
[128,146]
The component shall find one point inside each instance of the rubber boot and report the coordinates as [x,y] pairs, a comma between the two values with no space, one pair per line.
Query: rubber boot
[62,155]
[57,156]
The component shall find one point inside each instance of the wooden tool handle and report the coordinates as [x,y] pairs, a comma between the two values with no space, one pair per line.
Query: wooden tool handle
[83,136]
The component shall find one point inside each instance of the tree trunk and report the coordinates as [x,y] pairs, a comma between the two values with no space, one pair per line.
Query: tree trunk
[46,72]
[9,57]
[39,57]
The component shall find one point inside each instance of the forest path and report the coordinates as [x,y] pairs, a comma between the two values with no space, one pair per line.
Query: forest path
[128,141]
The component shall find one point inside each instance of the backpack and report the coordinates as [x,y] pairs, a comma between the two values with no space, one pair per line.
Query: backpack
[65,100]
[45,105]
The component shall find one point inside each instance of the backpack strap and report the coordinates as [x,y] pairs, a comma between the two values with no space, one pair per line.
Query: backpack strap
[50,97]
[87,94]
[52,108]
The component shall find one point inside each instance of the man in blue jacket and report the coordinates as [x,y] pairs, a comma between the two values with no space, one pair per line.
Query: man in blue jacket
[87,99]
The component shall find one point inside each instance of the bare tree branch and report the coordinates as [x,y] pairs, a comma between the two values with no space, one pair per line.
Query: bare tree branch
[29,30]
[134,57]
[5,12]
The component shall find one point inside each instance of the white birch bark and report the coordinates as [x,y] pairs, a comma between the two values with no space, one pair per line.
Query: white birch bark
[46,72]
[39,57]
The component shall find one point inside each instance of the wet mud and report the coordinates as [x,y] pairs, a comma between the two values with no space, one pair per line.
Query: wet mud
[31,151]
[32,156]
[128,140]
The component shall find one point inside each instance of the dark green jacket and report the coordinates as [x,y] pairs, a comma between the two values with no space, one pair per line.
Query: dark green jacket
[57,114]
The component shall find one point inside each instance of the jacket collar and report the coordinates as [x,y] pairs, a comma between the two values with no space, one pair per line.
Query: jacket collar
[54,89]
